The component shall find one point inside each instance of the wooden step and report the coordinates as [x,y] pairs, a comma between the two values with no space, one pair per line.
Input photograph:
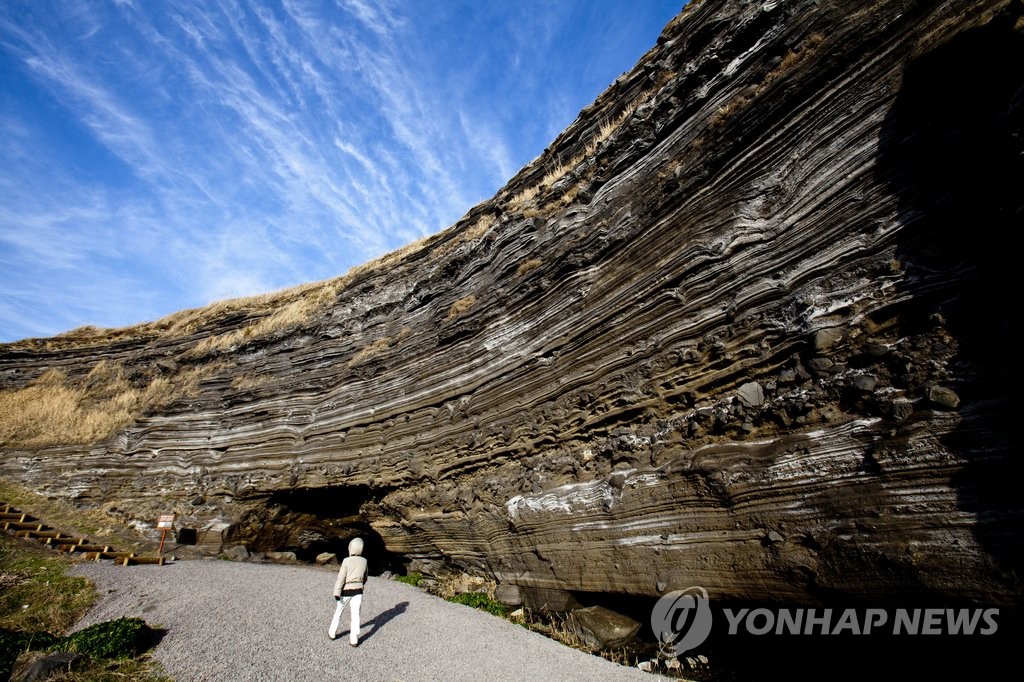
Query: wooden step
[58,540]
[28,533]
[138,560]
[66,540]
[89,549]
[17,525]
[47,535]
[67,546]
[14,516]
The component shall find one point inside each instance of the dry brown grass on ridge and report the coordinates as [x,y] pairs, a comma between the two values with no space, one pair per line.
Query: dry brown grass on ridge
[55,410]
[275,311]
[524,200]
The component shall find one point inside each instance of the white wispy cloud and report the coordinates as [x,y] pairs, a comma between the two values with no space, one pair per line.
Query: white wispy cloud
[158,156]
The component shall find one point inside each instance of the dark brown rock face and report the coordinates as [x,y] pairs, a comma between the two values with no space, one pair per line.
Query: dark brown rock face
[743,325]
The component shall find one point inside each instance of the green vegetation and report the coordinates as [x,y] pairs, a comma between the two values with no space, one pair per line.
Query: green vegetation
[37,593]
[479,600]
[121,638]
[39,602]
[411,579]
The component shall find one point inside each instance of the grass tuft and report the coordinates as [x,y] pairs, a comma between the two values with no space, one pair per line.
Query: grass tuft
[461,306]
[479,600]
[528,265]
[413,579]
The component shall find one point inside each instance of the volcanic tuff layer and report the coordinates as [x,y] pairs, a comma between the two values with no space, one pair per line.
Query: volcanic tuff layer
[734,328]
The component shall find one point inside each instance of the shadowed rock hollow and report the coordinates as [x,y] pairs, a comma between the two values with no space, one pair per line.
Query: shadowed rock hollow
[742,325]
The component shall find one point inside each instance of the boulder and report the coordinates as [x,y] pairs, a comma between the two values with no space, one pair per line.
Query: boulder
[49,664]
[326,558]
[281,557]
[237,553]
[865,383]
[601,628]
[943,397]
[213,534]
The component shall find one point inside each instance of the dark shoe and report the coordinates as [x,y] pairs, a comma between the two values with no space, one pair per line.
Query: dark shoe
[332,637]
[353,643]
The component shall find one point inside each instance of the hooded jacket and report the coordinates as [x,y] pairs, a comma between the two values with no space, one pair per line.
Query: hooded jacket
[352,573]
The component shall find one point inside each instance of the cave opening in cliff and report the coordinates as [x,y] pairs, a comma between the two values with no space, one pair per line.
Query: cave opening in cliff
[314,521]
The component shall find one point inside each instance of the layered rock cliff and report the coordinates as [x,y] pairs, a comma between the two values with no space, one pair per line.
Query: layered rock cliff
[742,325]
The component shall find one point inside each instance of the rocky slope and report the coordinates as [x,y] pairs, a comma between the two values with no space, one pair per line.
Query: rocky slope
[742,325]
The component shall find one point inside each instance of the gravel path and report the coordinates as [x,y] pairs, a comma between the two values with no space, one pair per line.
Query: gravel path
[230,621]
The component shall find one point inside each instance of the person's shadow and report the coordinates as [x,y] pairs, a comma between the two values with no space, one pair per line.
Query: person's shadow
[378,621]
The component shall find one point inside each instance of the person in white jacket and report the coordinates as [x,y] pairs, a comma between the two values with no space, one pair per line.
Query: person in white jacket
[348,590]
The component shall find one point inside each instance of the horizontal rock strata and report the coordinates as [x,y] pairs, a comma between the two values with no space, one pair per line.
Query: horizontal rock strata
[740,326]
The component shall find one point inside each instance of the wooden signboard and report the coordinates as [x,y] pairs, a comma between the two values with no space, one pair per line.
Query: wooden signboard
[164,523]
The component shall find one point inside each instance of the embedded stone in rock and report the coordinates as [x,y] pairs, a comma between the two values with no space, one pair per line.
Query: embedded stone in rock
[865,383]
[751,393]
[509,595]
[900,409]
[822,365]
[826,338]
[602,628]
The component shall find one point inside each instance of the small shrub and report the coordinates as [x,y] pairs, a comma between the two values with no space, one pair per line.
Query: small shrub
[479,600]
[121,638]
[413,579]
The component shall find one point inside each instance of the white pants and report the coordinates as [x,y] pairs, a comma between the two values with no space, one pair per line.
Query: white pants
[353,603]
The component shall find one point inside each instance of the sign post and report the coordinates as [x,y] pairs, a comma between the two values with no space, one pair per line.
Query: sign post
[165,522]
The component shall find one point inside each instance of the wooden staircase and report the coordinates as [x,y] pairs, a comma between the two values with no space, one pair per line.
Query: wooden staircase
[24,525]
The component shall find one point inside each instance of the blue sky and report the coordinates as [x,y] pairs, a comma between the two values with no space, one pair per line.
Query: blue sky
[161,155]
